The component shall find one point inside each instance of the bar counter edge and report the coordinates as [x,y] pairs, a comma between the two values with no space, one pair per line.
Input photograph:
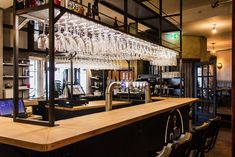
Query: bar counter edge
[69,131]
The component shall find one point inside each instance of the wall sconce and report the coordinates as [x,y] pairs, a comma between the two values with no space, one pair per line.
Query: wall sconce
[219,65]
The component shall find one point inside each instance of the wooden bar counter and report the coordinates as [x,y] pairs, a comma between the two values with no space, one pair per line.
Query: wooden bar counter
[75,111]
[93,104]
[87,130]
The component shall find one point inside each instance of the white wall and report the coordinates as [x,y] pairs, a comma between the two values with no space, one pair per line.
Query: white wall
[224,57]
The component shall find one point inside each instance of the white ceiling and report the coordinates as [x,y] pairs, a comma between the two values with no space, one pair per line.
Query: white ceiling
[171,6]
[198,19]
[5,3]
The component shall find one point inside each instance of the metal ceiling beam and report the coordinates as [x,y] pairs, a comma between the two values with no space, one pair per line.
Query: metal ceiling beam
[172,15]
[149,18]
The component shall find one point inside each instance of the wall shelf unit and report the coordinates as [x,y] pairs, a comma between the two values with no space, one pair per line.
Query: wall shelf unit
[20,77]
[11,64]
[8,76]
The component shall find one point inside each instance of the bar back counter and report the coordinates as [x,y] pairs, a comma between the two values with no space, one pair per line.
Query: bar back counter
[135,131]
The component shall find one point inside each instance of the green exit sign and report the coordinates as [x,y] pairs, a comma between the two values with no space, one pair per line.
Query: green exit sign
[175,36]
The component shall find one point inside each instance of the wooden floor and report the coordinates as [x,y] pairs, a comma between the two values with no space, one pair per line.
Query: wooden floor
[223,147]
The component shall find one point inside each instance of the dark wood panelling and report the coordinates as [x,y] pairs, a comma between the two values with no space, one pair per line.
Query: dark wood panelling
[233,80]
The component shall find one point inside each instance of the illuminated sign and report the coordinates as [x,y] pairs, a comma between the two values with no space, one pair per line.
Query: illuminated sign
[175,36]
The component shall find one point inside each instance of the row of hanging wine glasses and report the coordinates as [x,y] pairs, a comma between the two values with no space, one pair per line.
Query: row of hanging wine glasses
[99,64]
[91,40]
[165,61]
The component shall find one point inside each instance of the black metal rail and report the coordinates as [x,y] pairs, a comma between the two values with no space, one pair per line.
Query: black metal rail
[52,20]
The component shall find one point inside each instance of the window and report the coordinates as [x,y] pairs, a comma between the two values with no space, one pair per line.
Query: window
[36,77]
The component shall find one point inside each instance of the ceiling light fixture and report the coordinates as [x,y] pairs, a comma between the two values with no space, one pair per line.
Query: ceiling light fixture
[214,29]
[213,52]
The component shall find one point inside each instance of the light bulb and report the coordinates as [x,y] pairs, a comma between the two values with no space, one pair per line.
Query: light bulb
[213,52]
[214,31]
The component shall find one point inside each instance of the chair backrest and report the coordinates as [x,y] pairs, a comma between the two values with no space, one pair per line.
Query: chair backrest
[212,134]
[199,135]
[181,147]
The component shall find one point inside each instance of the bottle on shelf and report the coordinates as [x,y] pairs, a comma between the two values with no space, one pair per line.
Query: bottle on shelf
[70,5]
[115,23]
[45,1]
[81,10]
[57,2]
[26,3]
[20,4]
[39,2]
[32,3]
[75,7]
[95,10]
[88,14]
[64,3]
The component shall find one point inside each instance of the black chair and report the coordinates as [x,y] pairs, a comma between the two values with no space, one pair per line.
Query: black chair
[204,137]
[199,134]
[212,134]
[182,146]
[179,148]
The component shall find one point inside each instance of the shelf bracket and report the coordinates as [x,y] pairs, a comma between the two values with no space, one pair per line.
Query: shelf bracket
[24,22]
[62,12]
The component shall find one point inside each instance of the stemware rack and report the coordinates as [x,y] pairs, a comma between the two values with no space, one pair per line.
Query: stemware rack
[50,13]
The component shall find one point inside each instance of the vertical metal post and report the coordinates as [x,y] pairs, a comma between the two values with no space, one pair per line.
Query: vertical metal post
[160,22]
[180,54]
[233,79]
[31,35]
[160,42]
[214,86]
[129,70]
[71,77]
[104,83]
[46,76]
[16,60]
[51,115]
[126,16]
[160,73]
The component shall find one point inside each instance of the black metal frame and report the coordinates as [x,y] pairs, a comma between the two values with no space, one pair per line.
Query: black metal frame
[180,54]
[16,28]
[52,20]
[140,20]
[213,101]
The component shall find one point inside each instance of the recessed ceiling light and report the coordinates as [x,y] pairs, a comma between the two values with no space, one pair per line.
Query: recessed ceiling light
[214,31]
